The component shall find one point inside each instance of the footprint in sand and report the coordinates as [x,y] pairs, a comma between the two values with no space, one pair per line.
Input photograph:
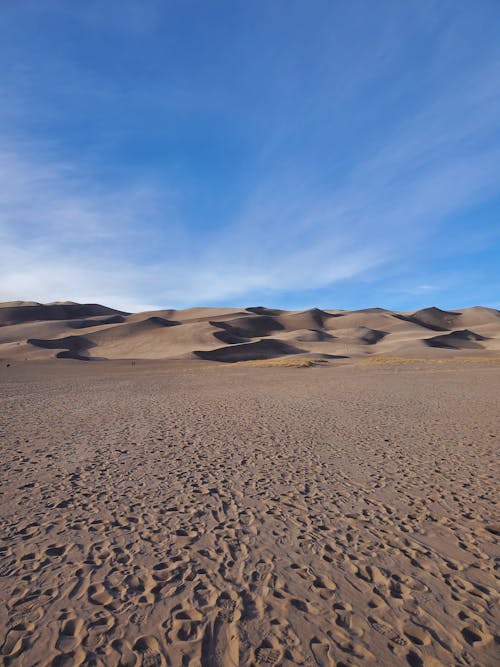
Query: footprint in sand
[417,635]
[101,623]
[149,650]
[267,655]
[262,571]
[73,659]
[387,631]
[30,608]
[220,646]
[7,570]
[226,609]
[187,626]
[246,518]
[99,595]
[126,657]
[70,635]
[13,643]
[321,653]
[27,613]
[475,635]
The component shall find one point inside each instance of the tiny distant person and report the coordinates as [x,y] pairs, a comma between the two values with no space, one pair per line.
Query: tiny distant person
[133,362]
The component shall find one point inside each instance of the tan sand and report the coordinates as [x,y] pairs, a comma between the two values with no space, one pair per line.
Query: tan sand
[190,513]
[30,331]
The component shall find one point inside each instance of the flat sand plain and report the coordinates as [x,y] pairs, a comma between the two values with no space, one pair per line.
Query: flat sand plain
[189,513]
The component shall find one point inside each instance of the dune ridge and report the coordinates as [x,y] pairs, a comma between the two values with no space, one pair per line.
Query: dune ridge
[30,330]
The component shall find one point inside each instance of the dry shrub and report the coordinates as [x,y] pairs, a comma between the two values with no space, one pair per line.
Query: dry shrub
[287,362]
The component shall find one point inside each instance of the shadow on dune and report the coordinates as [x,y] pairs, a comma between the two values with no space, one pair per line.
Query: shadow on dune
[261,310]
[229,338]
[457,340]
[71,346]
[413,320]
[262,349]
[434,318]
[45,312]
[85,324]
[154,321]
[314,318]
[372,336]
[250,327]
[314,336]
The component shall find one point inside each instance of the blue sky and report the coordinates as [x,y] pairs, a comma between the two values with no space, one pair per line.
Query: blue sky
[330,153]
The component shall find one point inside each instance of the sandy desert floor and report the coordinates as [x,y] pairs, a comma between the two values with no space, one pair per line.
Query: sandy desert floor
[188,513]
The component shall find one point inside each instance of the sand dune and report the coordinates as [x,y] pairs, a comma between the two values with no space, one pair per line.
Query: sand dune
[96,322]
[477,316]
[381,320]
[262,349]
[308,319]
[261,310]
[457,340]
[308,336]
[250,327]
[31,331]
[360,335]
[435,318]
[69,347]
[30,312]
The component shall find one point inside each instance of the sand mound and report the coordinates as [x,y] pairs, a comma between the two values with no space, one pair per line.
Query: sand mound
[166,314]
[457,340]
[96,322]
[12,304]
[71,347]
[478,315]
[155,341]
[250,327]
[314,318]
[134,328]
[192,315]
[77,347]
[380,319]
[229,338]
[57,311]
[260,310]
[373,311]
[262,349]
[309,336]
[18,333]
[370,336]
[360,335]
[435,318]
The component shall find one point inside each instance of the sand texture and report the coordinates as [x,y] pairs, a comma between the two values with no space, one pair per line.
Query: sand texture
[199,514]
[30,331]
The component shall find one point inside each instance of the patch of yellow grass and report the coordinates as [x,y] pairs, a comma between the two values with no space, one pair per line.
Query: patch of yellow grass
[407,360]
[390,360]
[287,362]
